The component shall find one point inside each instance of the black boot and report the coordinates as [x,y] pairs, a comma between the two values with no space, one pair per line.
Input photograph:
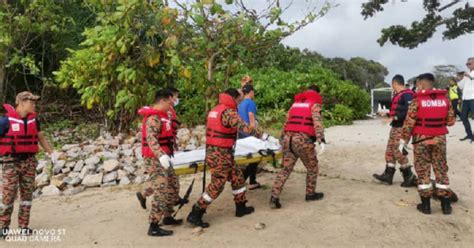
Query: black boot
[314,197]
[141,199]
[453,197]
[409,179]
[4,232]
[156,231]
[242,210]
[195,217]
[424,206]
[386,176]
[182,201]
[446,205]
[275,203]
[170,221]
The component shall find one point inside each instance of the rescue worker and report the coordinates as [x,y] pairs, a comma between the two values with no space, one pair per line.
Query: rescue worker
[454,96]
[174,180]
[303,129]
[157,138]
[20,133]
[397,115]
[223,123]
[428,115]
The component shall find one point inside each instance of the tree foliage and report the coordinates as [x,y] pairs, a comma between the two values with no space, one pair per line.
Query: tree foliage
[125,59]
[458,23]
[34,36]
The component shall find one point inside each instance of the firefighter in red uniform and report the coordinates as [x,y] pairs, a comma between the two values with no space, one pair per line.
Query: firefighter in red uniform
[302,129]
[223,123]
[157,148]
[174,180]
[427,118]
[397,115]
[20,134]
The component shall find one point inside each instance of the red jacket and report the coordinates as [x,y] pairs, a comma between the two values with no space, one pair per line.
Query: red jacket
[217,134]
[433,108]
[300,117]
[396,100]
[165,137]
[22,137]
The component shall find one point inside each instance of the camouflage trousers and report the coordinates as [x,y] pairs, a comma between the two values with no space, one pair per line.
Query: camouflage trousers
[13,175]
[223,168]
[162,194]
[392,153]
[427,156]
[294,146]
[173,187]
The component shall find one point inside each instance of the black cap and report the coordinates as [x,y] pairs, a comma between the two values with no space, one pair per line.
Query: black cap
[247,88]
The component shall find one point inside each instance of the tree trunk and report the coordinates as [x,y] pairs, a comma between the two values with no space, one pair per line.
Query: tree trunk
[2,83]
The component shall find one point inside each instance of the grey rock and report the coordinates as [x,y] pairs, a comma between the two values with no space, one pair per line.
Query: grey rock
[70,146]
[92,180]
[129,169]
[57,169]
[111,165]
[70,164]
[138,153]
[112,176]
[66,170]
[113,183]
[121,174]
[90,148]
[92,160]
[72,180]
[50,190]
[84,173]
[74,190]
[125,181]
[73,174]
[37,193]
[138,180]
[41,165]
[128,152]
[42,180]
[78,166]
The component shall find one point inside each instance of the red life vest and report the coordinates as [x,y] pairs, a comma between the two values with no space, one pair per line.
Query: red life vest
[300,118]
[396,99]
[165,137]
[217,134]
[433,107]
[21,137]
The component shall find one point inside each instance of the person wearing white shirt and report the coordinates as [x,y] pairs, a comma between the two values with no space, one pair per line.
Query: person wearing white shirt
[467,87]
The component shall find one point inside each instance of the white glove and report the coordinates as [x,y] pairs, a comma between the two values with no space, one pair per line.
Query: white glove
[323,148]
[55,157]
[403,147]
[166,161]
[322,145]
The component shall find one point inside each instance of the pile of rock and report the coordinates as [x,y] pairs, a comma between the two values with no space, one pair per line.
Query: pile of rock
[105,161]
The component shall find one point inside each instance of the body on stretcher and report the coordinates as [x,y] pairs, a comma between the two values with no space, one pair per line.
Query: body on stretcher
[247,150]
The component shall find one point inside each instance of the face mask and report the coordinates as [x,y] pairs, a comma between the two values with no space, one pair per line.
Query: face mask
[177,102]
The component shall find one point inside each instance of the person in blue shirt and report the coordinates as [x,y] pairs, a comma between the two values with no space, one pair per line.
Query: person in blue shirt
[248,112]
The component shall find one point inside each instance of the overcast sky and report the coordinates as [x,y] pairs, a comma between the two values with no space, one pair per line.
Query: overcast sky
[343,32]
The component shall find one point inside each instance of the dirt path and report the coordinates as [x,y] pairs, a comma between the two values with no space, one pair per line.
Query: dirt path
[356,211]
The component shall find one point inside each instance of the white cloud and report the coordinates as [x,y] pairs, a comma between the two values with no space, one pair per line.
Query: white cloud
[344,33]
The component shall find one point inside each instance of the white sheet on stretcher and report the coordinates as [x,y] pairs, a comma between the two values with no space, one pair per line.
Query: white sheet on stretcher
[243,148]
